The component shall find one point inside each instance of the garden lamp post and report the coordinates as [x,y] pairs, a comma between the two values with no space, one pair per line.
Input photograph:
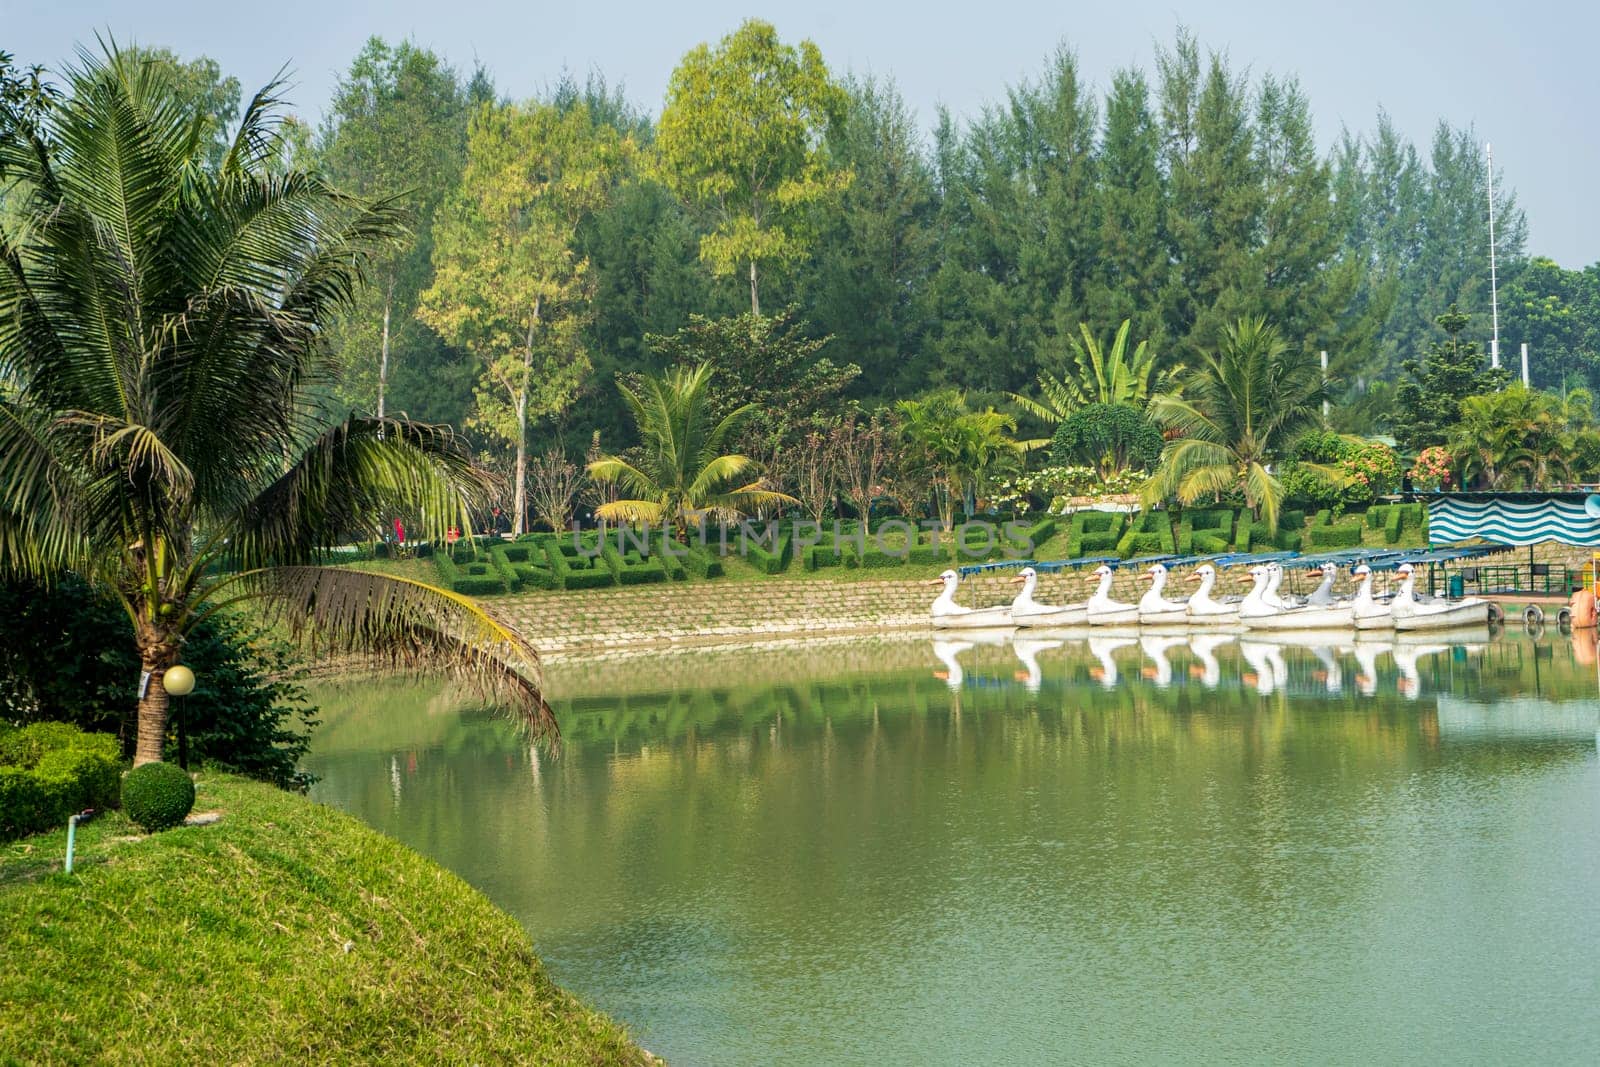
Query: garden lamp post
[178,681]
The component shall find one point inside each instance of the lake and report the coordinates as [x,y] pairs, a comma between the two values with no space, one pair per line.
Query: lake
[994,851]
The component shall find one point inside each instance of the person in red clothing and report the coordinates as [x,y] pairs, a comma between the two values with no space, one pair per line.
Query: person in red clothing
[399,532]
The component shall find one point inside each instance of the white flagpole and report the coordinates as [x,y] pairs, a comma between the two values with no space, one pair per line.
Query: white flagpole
[1494,283]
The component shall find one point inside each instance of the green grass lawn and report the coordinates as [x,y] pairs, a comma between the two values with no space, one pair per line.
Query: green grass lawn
[286,932]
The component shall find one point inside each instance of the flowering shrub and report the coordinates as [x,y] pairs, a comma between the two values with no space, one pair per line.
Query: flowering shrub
[1432,468]
[1059,484]
[1374,467]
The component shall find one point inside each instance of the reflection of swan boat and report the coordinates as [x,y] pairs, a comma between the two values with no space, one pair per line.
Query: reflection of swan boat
[1412,612]
[947,614]
[1026,611]
[1101,647]
[947,653]
[1156,647]
[1366,654]
[1102,610]
[1405,657]
[1264,609]
[1154,608]
[1204,647]
[1027,650]
[1332,674]
[1205,609]
[1266,663]
[948,649]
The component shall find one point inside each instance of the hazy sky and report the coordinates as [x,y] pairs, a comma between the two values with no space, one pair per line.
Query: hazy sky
[1523,74]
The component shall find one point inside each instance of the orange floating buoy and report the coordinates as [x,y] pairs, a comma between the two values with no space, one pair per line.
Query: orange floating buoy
[1582,607]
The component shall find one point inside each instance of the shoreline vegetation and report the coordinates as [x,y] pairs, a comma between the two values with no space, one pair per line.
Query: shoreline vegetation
[286,931]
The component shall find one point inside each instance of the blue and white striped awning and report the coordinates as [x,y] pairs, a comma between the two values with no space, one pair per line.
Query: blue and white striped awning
[1512,518]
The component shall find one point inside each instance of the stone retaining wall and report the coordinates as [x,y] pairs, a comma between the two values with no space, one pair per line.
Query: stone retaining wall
[681,613]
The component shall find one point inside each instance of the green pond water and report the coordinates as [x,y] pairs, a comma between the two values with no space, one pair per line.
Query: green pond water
[986,851]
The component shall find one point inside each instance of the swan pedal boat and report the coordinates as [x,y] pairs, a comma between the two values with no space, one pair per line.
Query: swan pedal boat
[946,614]
[1263,609]
[1412,612]
[1370,612]
[1101,610]
[1154,608]
[1028,612]
[1204,609]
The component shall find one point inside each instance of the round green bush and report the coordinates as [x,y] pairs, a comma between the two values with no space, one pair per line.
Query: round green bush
[157,796]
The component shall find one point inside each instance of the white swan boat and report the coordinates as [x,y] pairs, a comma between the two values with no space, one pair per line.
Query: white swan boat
[1026,611]
[1206,609]
[1101,610]
[1154,608]
[1264,609]
[1370,612]
[1412,612]
[1322,596]
[947,614]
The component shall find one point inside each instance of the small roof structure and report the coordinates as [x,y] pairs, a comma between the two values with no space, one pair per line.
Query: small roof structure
[1571,518]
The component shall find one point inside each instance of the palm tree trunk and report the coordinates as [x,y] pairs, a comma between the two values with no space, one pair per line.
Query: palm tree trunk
[383,357]
[520,493]
[755,296]
[158,650]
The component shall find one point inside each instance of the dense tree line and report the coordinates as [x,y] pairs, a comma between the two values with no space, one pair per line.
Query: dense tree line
[1182,198]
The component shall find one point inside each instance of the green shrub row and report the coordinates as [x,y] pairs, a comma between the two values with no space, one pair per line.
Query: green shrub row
[49,771]
[1342,535]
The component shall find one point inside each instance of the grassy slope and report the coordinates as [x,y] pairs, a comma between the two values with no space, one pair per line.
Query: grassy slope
[287,931]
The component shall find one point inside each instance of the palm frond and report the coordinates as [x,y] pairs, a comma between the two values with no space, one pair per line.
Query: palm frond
[400,624]
[351,478]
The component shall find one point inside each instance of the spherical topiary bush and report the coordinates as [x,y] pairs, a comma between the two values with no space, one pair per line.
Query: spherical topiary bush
[157,796]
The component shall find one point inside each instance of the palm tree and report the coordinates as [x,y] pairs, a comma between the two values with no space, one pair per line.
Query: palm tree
[955,449]
[1104,376]
[685,472]
[1241,408]
[162,428]
[1518,436]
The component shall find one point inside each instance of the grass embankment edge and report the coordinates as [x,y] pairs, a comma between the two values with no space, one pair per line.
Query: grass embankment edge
[286,931]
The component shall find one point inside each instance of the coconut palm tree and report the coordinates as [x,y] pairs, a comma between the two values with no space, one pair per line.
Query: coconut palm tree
[1104,376]
[685,472]
[163,431]
[1241,408]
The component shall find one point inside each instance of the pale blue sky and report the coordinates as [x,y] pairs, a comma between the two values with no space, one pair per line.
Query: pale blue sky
[1523,74]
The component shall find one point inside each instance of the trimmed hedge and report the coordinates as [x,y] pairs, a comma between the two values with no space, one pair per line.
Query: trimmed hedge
[702,562]
[1093,533]
[524,565]
[50,771]
[575,569]
[472,578]
[1150,534]
[770,562]
[1344,535]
